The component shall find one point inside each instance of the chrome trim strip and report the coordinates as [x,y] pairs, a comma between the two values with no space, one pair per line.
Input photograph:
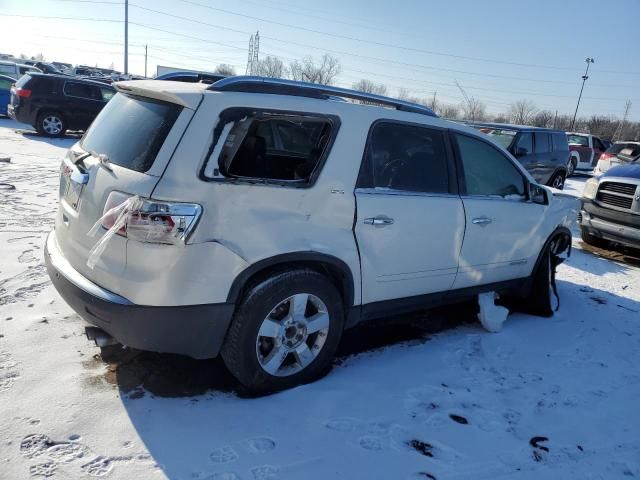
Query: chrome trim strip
[64,268]
[403,193]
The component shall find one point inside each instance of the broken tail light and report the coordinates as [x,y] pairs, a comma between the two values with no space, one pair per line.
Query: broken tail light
[147,220]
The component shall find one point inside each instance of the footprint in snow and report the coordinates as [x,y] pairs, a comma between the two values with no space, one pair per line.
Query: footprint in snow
[261,444]
[344,424]
[43,470]
[224,454]
[265,472]
[370,442]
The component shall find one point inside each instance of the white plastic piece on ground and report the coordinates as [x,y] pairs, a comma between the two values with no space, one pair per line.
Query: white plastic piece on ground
[122,213]
[491,316]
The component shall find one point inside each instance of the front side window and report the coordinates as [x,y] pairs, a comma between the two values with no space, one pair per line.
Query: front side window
[502,136]
[406,157]
[269,145]
[525,144]
[130,130]
[542,142]
[578,140]
[487,171]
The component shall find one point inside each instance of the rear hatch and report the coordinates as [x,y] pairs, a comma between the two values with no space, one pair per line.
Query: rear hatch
[126,149]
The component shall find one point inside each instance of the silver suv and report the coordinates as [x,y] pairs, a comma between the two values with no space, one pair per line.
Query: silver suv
[258,218]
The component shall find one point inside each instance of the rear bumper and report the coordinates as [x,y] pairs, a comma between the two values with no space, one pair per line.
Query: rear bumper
[194,330]
[620,227]
[19,114]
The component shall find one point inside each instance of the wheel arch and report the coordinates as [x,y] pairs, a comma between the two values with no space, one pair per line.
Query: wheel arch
[334,268]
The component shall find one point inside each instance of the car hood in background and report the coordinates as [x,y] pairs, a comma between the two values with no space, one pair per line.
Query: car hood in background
[630,170]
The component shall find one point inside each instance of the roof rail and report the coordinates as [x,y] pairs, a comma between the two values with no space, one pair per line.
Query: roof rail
[253,84]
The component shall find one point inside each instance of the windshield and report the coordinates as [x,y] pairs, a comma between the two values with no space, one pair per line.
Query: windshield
[578,140]
[502,136]
[130,130]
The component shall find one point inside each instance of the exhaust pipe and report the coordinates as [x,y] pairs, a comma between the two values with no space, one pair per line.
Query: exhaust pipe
[102,338]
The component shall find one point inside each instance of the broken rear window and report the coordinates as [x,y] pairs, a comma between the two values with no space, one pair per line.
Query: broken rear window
[269,146]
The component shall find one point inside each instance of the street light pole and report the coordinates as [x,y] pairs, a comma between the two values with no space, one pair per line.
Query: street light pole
[126,37]
[589,61]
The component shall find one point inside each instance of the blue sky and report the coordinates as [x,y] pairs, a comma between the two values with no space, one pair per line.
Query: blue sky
[499,51]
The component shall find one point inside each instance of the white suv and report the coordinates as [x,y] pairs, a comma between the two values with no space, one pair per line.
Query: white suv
[258,218]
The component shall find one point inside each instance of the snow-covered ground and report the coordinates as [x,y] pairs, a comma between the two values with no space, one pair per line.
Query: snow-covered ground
[545,398]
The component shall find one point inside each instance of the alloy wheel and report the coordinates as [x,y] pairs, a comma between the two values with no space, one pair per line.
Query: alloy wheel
[52,124]
[292,335]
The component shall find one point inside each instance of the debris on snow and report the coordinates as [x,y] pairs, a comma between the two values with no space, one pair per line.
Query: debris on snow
[491,316]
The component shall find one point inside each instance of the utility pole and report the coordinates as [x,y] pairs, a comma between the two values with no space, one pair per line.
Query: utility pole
[126,37]
[145,61]
[589,61]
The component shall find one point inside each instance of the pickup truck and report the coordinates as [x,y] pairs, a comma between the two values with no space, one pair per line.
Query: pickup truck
[585,151]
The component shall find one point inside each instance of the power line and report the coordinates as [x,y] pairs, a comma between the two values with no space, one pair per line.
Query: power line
[383,44]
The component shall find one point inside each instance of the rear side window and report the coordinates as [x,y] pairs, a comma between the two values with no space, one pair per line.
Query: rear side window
[5,84]
[487,171]
[405,157]
[559,141]
[130,130]
[82,90]
[270,146]
[107,93]
[542,142]
[4,68]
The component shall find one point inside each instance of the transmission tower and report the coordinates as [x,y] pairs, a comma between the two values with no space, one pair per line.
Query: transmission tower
[254,54]
[620,128]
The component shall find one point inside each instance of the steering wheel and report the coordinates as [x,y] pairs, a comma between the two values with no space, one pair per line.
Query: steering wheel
[388,171]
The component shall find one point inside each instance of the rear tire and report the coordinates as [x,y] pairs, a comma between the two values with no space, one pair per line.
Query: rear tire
[592,239]
[51,124]
[273,342]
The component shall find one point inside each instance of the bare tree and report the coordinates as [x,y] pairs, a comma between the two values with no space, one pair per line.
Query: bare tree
[544,118]
[307,70]
[522,112]
[403,94]
[474,109]
[501,118]
[271,67]
[225,69]
[368,86]
[452,112]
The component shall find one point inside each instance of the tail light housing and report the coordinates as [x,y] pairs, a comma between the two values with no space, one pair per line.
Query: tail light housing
[148,220]
[22,92]
[605,156]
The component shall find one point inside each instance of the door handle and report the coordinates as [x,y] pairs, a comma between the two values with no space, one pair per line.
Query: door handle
[481,221]
[380,221]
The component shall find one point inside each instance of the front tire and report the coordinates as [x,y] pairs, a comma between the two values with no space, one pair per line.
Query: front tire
[592,239]
[542,299]
[51,124]
[557,181]
[285,332]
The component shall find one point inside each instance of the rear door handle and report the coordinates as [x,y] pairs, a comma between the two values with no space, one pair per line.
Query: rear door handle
[379,220]
[481,221]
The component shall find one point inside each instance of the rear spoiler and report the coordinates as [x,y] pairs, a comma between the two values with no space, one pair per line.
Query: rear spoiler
[166,91]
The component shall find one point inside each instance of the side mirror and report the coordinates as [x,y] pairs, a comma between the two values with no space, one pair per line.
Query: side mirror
[521,152]
[538,194]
